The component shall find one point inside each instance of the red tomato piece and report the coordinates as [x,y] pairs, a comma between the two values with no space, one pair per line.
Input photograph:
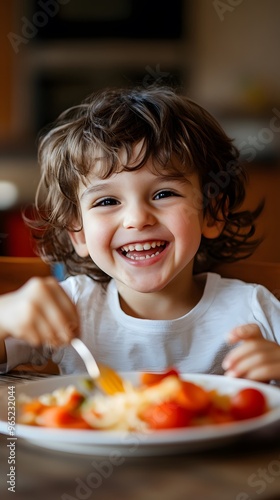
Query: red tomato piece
[155,378]
[193,397]
[60,416]
[248,403]
[167,415]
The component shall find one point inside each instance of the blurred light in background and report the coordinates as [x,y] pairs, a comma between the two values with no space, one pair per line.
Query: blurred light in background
[8,195]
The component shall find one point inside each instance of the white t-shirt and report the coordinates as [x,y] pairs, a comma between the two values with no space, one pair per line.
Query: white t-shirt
[194,343]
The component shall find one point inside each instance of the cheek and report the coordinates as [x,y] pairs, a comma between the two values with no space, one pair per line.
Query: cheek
[189,219]
[188,228]
[97,236]
[193,211]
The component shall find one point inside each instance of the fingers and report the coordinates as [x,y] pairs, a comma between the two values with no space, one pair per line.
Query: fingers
[57,317]
[254,357]
[40,312]
[261,373]
[244,332]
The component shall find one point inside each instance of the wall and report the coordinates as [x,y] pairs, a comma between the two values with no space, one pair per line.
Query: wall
[236,75]
[230,63]
[7,62]
[236,52]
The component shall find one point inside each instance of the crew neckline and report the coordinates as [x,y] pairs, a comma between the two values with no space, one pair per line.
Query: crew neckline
[208,296]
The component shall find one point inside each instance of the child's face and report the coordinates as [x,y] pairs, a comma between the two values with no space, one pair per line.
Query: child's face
[140,228]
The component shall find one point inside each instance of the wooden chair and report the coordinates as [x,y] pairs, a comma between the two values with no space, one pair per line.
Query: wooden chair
[14,272]
[263,273]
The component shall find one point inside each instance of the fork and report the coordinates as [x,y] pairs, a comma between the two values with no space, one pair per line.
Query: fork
[104,376]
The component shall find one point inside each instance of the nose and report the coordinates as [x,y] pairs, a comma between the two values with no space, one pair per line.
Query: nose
[138,216]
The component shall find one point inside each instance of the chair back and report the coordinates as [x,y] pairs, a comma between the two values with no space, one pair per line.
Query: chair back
[15,271]
[263,273]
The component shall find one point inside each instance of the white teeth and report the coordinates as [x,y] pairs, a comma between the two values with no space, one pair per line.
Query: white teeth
[142,257]
[147,246]
[139,247]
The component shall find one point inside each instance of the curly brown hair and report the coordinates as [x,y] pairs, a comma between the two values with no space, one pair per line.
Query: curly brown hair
[169,124]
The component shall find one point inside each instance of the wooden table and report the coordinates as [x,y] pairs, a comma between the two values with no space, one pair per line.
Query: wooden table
[249,469]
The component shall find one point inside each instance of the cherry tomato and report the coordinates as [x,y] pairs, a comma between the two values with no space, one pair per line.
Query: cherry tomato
[167,415]
[155,378]
[248,403]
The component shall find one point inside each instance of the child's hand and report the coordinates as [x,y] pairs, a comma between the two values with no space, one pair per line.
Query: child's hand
[40,312]
[255,358]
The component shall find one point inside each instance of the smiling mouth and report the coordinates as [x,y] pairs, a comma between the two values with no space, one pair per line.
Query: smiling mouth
[142,251]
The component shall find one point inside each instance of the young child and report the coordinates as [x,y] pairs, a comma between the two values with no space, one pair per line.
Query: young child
[140,195]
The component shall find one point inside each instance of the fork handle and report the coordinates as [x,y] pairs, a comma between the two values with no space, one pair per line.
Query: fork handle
[87,357]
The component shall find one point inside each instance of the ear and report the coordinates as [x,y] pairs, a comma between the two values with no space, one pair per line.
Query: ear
[212,228]
[79,242]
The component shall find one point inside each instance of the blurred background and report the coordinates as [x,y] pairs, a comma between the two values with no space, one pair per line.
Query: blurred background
[223,54]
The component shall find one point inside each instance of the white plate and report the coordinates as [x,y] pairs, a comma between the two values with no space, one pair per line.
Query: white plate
[121,443]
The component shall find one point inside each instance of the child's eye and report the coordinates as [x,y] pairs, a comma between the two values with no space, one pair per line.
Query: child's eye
[165,194]
[105,202]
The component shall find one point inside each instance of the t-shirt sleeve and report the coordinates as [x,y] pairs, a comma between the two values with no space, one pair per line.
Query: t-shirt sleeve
[72,286]
[20,352]
[266,311]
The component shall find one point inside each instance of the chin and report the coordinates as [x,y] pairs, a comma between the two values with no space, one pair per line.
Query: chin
[147,288]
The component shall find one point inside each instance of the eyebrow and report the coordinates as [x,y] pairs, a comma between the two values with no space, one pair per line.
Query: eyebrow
[95,189]
[174,177]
